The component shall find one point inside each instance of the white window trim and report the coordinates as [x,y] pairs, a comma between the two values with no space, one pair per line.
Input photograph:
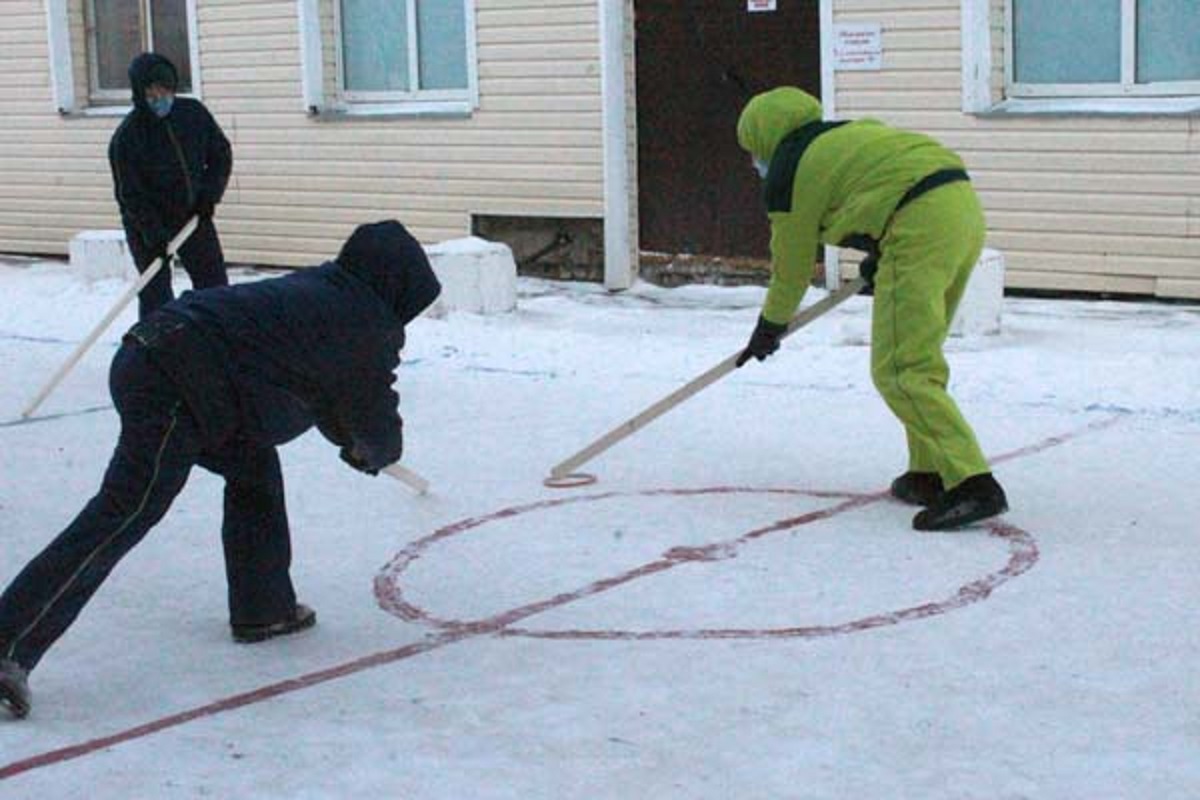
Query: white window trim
[67,100]
[1174,98]
[312,65]
[976,56]
[1128,85]
[193,23]
[58,36]
[385,104]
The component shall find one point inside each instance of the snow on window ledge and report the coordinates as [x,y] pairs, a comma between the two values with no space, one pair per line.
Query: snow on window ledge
[96,111]
[378,111]
[1102,106]
[105,109]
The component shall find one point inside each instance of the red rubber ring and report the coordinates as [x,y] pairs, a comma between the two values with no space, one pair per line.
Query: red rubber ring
[570,481]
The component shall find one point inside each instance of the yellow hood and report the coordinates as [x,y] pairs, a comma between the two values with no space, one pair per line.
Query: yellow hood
[770,116]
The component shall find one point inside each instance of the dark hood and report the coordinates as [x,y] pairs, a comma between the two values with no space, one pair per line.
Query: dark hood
[387,258]
[146,69]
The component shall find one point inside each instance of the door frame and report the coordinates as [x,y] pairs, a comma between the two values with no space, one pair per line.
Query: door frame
[833,277]
[620,259]
[620,191]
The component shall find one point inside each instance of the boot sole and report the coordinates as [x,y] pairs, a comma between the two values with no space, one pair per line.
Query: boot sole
[958,524]
[265,632]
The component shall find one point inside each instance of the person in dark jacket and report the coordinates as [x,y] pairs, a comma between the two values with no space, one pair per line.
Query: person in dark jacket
[220,378]
[170,161]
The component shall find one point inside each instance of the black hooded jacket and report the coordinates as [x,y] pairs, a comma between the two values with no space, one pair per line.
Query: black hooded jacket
[260,363]
[162,167]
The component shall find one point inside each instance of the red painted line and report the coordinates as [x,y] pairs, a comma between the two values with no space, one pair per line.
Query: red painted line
[230,704]
[1024,558]
[1055,441]
[391,596]
[1023,554]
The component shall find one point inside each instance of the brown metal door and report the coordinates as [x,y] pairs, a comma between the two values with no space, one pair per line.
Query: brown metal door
[698,61]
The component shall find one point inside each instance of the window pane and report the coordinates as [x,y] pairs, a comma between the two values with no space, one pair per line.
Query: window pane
[117,39]
[375,45]
[1168,41]
[1067,41]
[169,37]
[442,48]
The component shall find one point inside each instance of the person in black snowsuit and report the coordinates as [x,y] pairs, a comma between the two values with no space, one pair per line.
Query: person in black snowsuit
[220,378]
[170,161]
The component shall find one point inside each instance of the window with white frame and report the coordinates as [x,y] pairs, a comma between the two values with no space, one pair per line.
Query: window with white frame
[398,51]
[1102,48]
[118,30]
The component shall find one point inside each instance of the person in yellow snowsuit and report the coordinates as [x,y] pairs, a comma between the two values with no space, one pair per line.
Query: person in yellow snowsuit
[907,201]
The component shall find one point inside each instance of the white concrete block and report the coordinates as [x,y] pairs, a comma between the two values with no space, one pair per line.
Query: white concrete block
[96,255]
[980,310]
[476,275]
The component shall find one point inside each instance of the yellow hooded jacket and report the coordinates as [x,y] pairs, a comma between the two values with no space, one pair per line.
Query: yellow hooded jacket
[846,184]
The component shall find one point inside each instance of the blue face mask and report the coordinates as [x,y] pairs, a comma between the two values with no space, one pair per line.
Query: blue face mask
[161,106]
[761,167]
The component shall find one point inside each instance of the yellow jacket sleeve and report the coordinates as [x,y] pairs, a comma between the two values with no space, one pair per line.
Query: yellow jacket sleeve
[794,241]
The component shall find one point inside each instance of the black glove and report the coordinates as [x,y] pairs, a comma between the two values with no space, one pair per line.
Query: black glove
[868,268]
[155,243]
[348,455]
[763,342]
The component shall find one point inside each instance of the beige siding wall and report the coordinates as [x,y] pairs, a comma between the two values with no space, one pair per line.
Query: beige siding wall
[53,177]
[1075,203]
[534,147]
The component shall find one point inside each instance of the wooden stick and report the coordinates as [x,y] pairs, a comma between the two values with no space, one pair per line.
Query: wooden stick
[710,377]
[407,476]
[131,293]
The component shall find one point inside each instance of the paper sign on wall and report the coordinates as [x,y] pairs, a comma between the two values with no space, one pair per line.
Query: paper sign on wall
[858,47]
[760,5]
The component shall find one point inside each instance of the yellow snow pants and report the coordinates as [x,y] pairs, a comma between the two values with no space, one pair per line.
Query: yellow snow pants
[928,251]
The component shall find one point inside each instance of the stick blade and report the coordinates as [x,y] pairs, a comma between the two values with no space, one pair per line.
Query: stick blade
[408,478]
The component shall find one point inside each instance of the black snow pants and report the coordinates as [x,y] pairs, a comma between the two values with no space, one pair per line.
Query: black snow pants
[158,445]
[201,256]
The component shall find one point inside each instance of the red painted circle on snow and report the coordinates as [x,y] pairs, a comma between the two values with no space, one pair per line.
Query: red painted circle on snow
[572,480]
[1022,555]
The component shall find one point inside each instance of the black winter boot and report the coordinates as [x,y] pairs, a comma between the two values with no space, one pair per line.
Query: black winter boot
[917,488]
[14,688]
[977,498]
[302,618]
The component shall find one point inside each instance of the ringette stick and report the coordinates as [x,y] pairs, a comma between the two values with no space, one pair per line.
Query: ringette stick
[693,387]
[408,477]
[143,279]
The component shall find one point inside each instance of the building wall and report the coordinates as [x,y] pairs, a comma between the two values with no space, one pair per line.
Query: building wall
[1075,203]
[300,184]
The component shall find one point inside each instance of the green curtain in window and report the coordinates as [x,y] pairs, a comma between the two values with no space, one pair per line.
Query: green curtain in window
[442,44]
[170,30]
[117,39]
[1168,40]
[1067,41]
[375,45]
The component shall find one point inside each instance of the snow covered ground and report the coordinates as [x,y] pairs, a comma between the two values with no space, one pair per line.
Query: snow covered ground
[733,610]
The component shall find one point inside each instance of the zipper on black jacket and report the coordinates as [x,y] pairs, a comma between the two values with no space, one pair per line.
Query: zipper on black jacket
[187,177]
